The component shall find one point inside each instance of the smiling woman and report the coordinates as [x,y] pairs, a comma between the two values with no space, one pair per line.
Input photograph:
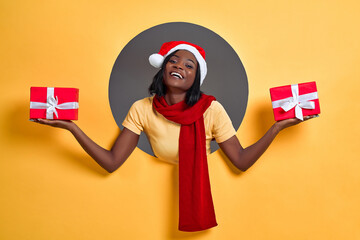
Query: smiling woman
[180,123]
[182,126]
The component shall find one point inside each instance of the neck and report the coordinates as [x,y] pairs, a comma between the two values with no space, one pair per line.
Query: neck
[172,98]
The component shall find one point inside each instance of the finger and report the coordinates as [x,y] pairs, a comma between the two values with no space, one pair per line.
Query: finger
[43,121]
[295,120]
[310,117]
[35,120]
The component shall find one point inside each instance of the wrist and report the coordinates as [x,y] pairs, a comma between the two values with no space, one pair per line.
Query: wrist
[71,127]
[277,127]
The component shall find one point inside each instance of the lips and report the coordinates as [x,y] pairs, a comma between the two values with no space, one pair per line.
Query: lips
[176,74]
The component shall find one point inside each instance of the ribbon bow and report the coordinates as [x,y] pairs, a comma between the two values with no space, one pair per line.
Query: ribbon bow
[299,102]
[52,104]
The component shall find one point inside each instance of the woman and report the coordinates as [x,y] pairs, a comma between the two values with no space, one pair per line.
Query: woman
[180,122]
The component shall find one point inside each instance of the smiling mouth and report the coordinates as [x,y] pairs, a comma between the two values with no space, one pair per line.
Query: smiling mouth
[175,74]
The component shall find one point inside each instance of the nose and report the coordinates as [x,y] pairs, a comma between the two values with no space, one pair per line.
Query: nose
[177,65]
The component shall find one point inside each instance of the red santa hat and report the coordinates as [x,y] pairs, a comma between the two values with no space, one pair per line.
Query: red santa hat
[157,59]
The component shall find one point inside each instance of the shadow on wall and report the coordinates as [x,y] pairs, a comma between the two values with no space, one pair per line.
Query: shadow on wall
[265,119]
[233,170]
[19,130]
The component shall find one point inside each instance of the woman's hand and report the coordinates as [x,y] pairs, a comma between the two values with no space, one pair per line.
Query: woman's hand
[65,124]
[280,125]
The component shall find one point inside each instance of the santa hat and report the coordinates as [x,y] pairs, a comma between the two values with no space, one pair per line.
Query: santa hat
[157,59]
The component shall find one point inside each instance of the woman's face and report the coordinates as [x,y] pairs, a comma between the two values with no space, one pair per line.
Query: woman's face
[180,71]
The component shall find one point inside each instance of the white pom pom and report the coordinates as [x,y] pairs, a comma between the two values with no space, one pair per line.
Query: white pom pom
[156,60]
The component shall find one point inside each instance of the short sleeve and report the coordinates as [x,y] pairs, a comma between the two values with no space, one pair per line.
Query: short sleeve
[223,128]
[134,120]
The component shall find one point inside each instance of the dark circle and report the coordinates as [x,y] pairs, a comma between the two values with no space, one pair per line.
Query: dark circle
[132,74]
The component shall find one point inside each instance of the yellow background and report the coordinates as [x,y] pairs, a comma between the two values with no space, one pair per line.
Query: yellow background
[306,186]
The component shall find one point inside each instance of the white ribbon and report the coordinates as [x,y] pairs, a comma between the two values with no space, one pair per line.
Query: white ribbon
[299,102]
[52,104]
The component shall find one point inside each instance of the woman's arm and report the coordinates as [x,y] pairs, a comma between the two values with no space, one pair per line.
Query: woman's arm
[243,158]
[109,160]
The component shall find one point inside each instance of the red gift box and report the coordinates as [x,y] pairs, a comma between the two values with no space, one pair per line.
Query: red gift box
[54,103]
[295,100]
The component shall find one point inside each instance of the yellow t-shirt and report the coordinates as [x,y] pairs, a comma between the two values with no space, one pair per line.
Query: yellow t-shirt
[164,134]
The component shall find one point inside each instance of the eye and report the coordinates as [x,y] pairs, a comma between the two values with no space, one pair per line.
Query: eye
[172,61]
[189,66]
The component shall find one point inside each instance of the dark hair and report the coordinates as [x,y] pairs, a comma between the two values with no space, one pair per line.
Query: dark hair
[158,87]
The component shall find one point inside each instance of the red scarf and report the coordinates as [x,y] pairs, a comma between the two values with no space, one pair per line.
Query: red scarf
[196,209]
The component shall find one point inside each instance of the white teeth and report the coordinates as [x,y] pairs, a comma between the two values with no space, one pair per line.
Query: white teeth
[176,74]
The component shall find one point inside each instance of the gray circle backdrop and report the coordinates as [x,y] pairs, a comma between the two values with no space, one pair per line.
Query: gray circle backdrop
[132,74]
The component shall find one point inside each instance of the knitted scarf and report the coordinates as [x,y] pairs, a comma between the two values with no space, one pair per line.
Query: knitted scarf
[196,209]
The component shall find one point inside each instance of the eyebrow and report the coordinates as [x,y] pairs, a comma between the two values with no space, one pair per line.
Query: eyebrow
[187,59]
